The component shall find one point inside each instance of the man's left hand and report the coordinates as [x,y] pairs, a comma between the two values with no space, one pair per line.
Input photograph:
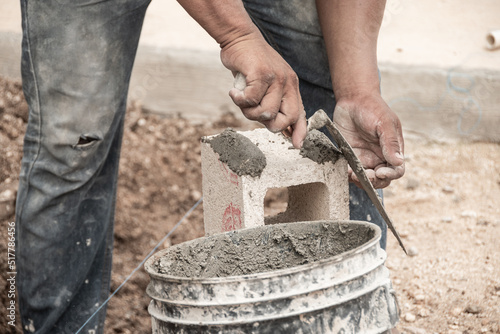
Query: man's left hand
[375,134]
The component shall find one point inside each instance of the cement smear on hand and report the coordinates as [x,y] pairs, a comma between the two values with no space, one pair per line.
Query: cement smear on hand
[319,148]
[262,249]
[237,151]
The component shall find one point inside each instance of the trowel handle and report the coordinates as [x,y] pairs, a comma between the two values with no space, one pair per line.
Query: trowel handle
[240,82]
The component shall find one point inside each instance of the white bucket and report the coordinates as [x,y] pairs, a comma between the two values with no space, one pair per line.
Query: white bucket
[309,277]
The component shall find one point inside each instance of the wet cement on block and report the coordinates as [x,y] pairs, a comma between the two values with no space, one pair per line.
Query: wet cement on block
[239,153]
[262,249]
[319,148]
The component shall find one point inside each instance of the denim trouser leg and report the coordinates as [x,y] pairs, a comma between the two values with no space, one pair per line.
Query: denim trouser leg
[292,28]
[76,64]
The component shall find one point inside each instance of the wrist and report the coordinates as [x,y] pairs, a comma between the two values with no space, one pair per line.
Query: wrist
[244,33]
[225,21]
[357,95]
[356,85]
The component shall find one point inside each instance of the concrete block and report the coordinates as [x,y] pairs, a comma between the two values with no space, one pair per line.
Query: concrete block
[316,191]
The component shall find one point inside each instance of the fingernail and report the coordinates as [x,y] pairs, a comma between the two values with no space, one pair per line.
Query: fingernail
[399,156]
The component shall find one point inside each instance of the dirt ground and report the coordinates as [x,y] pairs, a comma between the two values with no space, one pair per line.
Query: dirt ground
[446,209]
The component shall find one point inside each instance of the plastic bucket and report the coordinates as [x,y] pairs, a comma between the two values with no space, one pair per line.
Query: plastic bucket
[306,277]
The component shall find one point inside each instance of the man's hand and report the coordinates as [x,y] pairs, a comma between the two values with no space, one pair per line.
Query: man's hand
[375,134]
[270,93]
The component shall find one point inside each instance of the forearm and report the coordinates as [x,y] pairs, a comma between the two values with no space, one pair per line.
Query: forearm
[350,29]
[226,21]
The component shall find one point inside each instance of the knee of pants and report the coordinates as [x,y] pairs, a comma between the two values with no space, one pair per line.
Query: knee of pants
[71,180]
[74,150]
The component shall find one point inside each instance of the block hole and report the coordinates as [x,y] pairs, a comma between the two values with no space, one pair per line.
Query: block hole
[275,202]
[304,202]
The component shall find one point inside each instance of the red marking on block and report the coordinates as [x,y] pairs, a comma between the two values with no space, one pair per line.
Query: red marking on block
[230,176]
[231,220]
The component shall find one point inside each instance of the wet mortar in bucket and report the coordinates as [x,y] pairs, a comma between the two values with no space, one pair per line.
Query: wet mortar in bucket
[260,250]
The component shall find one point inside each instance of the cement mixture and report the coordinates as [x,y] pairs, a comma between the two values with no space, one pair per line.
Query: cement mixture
[319,148]
[239,153]
[262,249]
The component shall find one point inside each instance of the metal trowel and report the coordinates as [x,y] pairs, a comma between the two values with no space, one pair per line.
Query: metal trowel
[320,119]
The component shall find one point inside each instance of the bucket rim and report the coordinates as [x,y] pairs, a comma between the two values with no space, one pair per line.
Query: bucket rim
[374,241]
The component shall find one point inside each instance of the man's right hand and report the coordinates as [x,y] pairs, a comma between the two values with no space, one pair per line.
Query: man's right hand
[271,92]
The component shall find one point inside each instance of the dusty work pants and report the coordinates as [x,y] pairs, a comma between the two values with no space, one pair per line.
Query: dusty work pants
[77,57]
[76,64]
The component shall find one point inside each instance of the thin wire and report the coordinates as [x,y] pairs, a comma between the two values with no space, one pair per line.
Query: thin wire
[142,262]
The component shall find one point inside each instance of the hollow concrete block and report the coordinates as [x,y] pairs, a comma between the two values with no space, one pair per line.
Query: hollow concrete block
[230,202]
